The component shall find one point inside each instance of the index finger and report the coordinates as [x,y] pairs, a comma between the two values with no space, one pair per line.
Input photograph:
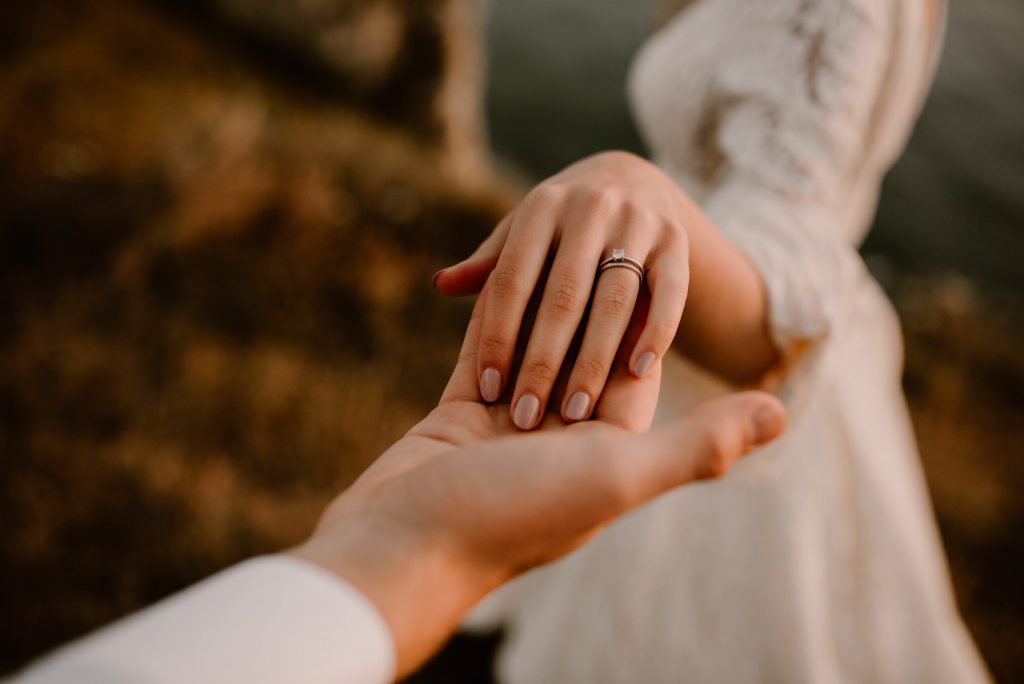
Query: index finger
[463,385]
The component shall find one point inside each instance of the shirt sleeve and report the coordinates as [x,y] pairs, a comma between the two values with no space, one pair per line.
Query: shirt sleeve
[271,619]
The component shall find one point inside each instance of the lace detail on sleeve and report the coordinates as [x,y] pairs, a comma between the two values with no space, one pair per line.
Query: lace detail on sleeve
[771,136]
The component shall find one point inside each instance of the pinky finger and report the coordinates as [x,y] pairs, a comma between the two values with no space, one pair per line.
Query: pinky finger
[668,281]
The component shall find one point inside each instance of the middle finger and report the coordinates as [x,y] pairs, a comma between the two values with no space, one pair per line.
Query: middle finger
[562,306]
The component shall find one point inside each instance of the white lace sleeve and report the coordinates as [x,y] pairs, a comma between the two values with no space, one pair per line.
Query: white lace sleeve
[768,125]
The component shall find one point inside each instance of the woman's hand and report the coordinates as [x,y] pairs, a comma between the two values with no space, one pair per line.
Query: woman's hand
[611,201]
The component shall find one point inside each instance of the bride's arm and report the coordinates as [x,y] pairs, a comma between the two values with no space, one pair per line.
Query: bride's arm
[725,327]
[796,123]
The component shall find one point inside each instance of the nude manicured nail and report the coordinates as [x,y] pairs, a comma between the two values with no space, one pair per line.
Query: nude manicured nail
[433,281]
[525,413]
[578,406]
[643,364]
[490,384]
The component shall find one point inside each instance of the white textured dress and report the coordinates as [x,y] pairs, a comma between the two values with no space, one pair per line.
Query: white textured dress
[816,559]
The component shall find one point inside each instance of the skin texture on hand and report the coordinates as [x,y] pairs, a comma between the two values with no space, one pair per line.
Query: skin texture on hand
[465,502]
[609,201]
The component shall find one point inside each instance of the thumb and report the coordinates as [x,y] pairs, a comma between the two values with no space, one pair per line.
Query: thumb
[469,275]
[701,446]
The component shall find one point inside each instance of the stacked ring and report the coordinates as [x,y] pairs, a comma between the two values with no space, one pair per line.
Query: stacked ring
[618,259]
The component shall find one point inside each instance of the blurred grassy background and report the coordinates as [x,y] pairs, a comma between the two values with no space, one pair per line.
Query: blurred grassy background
[215,264]
[218,222]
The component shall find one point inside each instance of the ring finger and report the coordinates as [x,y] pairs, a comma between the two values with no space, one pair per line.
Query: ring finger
[612,306]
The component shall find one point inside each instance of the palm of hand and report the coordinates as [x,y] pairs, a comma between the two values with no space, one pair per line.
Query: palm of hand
[462,435]
[466,501]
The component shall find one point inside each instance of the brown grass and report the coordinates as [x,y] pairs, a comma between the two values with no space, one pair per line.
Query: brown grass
[217,308]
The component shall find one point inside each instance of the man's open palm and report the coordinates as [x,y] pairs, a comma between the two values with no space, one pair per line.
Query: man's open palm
[466,501]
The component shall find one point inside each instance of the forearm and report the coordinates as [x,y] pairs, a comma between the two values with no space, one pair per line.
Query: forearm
[724,327]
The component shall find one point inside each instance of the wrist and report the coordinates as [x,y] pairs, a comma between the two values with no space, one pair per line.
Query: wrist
[725,325]
[420,585]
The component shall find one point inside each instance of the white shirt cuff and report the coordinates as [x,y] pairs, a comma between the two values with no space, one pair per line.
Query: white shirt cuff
[270,619]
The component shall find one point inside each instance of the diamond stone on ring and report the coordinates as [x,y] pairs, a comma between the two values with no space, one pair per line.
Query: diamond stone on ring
[618,259]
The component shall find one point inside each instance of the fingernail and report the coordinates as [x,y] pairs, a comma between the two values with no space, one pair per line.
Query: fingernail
[768,423]
[578,406]
[525,414]
[490,384]
[643,364]
[437,275]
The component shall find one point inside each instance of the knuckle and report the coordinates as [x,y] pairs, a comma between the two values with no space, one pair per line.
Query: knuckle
[494,346]
[598,201]
[565,299]
[634,212]
[541,371]
[676,232]
[719,456]
[676,241]
[507,283]
[592,371]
